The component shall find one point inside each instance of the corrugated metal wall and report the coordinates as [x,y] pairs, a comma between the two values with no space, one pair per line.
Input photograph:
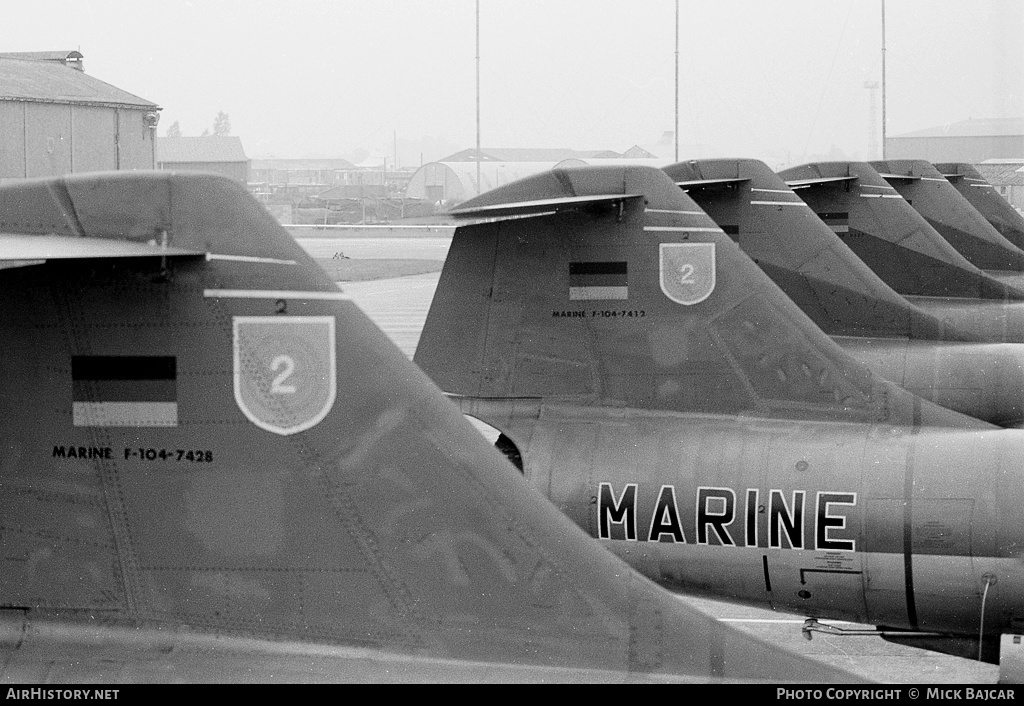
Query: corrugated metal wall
[971,149]
[50,139]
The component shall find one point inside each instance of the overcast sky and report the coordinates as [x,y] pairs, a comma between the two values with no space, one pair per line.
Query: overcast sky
[781,80]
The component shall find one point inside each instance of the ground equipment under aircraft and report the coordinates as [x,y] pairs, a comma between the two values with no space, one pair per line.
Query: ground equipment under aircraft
[670,399]
[214,468]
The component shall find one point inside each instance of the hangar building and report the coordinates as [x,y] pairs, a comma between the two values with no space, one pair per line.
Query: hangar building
[222,154]
[56,119]
[972,141]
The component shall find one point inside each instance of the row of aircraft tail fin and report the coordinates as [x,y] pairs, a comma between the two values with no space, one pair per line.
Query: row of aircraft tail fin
[659,349]
[214,467]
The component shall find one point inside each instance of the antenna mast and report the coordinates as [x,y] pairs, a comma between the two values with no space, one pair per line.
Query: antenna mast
[478,188]
[883,79]
[676,131]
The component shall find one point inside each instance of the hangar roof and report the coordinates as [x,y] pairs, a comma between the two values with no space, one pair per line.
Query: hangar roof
[46,81]
[62,56]
[205,148]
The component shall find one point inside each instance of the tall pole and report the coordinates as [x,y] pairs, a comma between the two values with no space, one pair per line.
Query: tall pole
[883,79]
[676,131]
[478,189]
[872,118]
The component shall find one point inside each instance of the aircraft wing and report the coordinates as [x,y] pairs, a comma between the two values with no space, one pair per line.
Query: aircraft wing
[805,183]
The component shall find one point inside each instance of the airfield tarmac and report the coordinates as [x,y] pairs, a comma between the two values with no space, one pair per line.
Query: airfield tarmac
[399,307]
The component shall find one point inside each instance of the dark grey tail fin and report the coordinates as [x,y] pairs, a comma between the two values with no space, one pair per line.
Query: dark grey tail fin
[986,199]
[801,254]
[641,302]
[884,231]
[214,468]
[956,220]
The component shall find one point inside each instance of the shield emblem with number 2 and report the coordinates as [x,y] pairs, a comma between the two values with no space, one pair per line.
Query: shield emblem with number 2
[687,271]
[284,370]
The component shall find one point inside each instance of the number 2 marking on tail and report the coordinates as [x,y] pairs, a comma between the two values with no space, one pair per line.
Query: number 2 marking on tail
[289,367]
[687,274]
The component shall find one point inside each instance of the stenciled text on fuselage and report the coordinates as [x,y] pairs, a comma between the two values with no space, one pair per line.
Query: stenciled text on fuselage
[759,518]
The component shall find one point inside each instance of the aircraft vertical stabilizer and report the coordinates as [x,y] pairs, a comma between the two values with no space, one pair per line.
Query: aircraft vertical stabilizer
[637,300]
[938,201]
[801,254]
[215,468]
[893,239]
[985,199]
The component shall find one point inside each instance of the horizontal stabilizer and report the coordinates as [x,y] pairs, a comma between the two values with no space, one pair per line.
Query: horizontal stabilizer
[701,183]
[542,206]
[902,177]
[19,246]
[144,217]
[804,183]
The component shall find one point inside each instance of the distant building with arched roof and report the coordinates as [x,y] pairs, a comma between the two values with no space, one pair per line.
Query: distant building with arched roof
[452,182]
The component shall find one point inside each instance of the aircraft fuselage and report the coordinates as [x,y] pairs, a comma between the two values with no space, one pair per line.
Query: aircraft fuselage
[983,380]
[874,524]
